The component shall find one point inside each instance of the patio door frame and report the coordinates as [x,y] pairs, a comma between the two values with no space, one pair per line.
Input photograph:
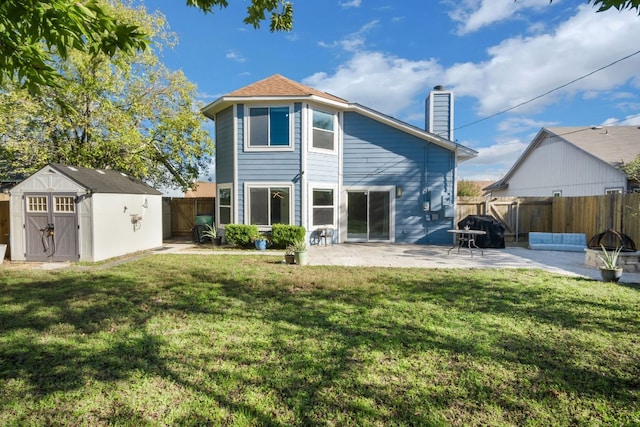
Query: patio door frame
[390,189]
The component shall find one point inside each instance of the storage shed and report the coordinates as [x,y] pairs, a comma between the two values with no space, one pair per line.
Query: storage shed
[70,213]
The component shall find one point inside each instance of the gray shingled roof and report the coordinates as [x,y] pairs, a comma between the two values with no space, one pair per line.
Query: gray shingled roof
[104,180]
[615,145]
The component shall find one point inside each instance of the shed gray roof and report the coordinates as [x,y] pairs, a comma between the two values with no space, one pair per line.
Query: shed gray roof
[104,180]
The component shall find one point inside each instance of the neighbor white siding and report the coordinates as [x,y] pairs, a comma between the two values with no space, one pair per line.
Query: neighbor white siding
[555,161]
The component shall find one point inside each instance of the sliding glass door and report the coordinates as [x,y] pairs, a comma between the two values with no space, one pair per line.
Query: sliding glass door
[368,216]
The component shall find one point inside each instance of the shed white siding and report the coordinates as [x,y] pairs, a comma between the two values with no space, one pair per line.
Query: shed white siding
[114,232]
[557,166]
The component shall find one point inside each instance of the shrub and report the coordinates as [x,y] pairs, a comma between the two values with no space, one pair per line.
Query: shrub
[283,235]
[241,235]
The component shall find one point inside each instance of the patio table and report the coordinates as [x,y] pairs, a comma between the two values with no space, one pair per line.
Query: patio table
[466,237]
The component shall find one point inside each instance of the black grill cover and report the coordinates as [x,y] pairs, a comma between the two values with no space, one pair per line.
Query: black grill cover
[494,229]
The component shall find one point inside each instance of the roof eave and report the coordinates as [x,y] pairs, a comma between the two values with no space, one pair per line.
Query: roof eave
[220,104]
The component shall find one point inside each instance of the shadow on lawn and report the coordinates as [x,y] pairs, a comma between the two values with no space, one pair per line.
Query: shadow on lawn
[322,341]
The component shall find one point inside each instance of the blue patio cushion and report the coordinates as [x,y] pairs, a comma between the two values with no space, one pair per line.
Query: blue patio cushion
[575,242]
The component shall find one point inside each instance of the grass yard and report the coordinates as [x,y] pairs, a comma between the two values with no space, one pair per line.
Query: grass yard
[243,341]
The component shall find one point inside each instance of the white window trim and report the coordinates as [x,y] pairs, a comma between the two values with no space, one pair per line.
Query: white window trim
[614,190]
[556,193]
[268,148]
[247,205]
[336,129]
[34,196]
[231,194]
[55,204]
[321,186]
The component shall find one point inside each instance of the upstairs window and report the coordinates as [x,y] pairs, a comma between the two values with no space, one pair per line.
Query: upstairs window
[323,133]
[269,127]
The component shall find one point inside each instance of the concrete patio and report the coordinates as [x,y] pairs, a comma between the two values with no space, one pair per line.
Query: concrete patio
[420,256]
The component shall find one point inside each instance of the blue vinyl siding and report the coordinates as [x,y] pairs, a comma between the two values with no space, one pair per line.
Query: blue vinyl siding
[270,166]
[224,146]
[379,155]
[322,167]
[440,113]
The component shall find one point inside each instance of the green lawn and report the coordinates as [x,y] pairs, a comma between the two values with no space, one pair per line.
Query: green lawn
[235,340]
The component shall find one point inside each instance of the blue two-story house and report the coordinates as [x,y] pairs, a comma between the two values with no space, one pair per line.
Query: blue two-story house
[287,153]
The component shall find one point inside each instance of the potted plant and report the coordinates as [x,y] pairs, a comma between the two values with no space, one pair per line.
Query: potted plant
[609,270]
[211,232]
[289,254]
[261,242]
[300,252]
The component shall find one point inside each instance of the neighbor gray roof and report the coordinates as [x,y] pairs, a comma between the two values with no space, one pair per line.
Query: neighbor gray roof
[615,145]
[104,180]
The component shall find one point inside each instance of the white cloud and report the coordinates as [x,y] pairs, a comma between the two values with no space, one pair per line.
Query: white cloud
[633,120]
[354,41]
[235,56]
[500,154]
[493,162]
[350,3]
[472,15]
[520,69]
[517,125]
[383,82]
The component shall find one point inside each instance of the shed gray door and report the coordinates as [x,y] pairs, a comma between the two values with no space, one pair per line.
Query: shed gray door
[51,227]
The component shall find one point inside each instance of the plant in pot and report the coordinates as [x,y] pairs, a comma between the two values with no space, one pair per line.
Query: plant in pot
[609,270]
[211,232]
[261,242]
[300,252]
[289,254]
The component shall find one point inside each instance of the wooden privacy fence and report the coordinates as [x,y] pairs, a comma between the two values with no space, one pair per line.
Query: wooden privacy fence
[184,212]
[590,215]
[4,223]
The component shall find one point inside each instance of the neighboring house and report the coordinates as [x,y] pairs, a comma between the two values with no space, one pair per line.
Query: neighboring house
[66,213]
[572,161]
[288,153]
[202,189]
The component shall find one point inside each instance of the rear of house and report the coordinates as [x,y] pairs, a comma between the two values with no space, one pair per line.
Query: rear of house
[287,153]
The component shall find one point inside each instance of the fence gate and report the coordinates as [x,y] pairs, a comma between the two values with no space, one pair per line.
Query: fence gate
[51,227]
[518,215]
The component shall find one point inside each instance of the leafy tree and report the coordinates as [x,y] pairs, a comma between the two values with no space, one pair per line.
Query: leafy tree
[632,169]
[468,189]
[618,4]
[34,32]
[603,5]
[126,112]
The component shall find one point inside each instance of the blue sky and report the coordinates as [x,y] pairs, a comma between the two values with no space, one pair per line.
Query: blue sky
[388,54]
